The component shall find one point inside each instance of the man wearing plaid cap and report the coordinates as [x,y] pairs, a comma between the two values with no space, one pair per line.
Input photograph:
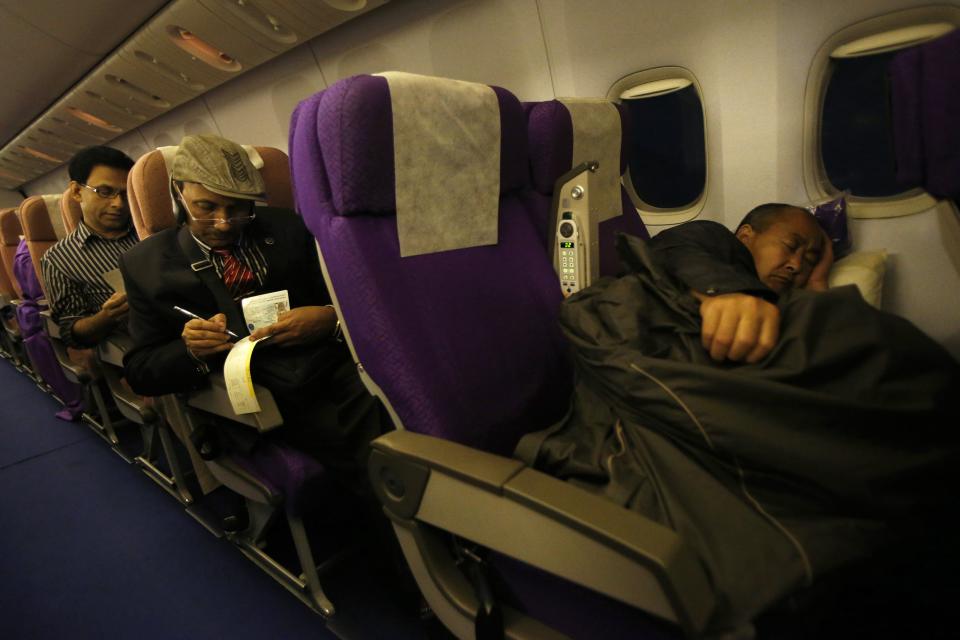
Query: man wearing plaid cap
[226,248]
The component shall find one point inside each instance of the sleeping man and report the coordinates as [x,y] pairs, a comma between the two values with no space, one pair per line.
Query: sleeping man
[738,277]
[784,431]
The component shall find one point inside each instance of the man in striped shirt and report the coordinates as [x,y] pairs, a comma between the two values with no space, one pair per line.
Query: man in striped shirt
[81,301]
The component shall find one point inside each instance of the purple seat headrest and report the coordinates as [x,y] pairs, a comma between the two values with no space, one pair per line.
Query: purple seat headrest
[355,130]
[551,142]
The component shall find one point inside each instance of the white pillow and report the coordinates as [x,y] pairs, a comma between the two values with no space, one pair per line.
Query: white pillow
[864,269]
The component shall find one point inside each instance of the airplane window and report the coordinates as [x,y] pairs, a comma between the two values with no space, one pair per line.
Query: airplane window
[848,139]
[667,158]
[856,134]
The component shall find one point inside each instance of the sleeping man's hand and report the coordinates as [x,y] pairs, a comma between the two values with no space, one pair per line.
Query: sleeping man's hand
[818,280]
[738,327]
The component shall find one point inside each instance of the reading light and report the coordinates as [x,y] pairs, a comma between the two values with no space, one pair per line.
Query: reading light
[40,154]
[202,50]
[91,119]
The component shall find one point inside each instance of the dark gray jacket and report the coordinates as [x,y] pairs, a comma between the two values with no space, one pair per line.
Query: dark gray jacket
[841,441]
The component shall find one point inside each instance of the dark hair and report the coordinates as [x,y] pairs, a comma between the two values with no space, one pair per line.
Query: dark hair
[86,159]
[763,216]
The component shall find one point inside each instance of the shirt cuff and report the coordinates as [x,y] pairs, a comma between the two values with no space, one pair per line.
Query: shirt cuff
[201,366]
[337,334]
[66,333]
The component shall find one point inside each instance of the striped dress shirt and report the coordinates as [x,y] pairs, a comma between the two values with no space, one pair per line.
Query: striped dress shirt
[73,271]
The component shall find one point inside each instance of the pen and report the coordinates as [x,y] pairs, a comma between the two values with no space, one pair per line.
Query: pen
[190,314]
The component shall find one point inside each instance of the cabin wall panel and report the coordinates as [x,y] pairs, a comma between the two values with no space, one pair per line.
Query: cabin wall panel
[489,41]
[255,108]
[54,182]
[9,198]
[921,282]
[132,143]
[744,96]
[193,118]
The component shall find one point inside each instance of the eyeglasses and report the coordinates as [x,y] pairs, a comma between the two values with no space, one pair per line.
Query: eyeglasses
[107,193]
[232,220]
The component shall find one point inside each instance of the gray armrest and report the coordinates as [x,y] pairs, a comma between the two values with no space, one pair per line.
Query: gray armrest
[215,400]
[112,348]
[53,329]
[11,326]
[550,524]
[74,372]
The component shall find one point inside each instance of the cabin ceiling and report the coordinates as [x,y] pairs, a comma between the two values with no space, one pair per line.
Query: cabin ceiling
[47,46]
[82,73]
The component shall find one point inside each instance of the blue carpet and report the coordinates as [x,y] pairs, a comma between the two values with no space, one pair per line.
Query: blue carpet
[91,548]
[27,425]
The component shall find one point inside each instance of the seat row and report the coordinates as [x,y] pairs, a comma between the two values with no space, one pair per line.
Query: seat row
[463,345]
[439,237]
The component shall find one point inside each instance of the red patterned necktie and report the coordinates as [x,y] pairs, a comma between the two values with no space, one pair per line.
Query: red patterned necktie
[237,276]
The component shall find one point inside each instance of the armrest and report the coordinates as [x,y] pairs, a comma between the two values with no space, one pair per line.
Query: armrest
[547,523]
[53,329]
[112,348]
[224,469]
[10,324]
[74,371]
[132,406]
[215,400]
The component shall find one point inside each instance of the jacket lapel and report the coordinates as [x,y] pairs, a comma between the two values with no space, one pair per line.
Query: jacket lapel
[203,269]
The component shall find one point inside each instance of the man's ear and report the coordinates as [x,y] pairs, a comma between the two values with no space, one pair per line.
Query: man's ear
[74,190]
[745,234]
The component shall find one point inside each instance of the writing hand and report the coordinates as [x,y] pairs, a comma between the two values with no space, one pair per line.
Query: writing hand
[205,338]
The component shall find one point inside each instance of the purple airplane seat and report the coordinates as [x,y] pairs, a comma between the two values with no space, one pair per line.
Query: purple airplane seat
[566,133]
[458,336]
[341,144]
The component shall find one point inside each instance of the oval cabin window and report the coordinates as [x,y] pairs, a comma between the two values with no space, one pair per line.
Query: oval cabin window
[667,158]
[856,133]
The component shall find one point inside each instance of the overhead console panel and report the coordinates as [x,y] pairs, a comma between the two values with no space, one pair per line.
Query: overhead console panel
[185,51]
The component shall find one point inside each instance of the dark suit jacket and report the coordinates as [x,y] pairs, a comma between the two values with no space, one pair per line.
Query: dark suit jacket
[158,276]
[710,259]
